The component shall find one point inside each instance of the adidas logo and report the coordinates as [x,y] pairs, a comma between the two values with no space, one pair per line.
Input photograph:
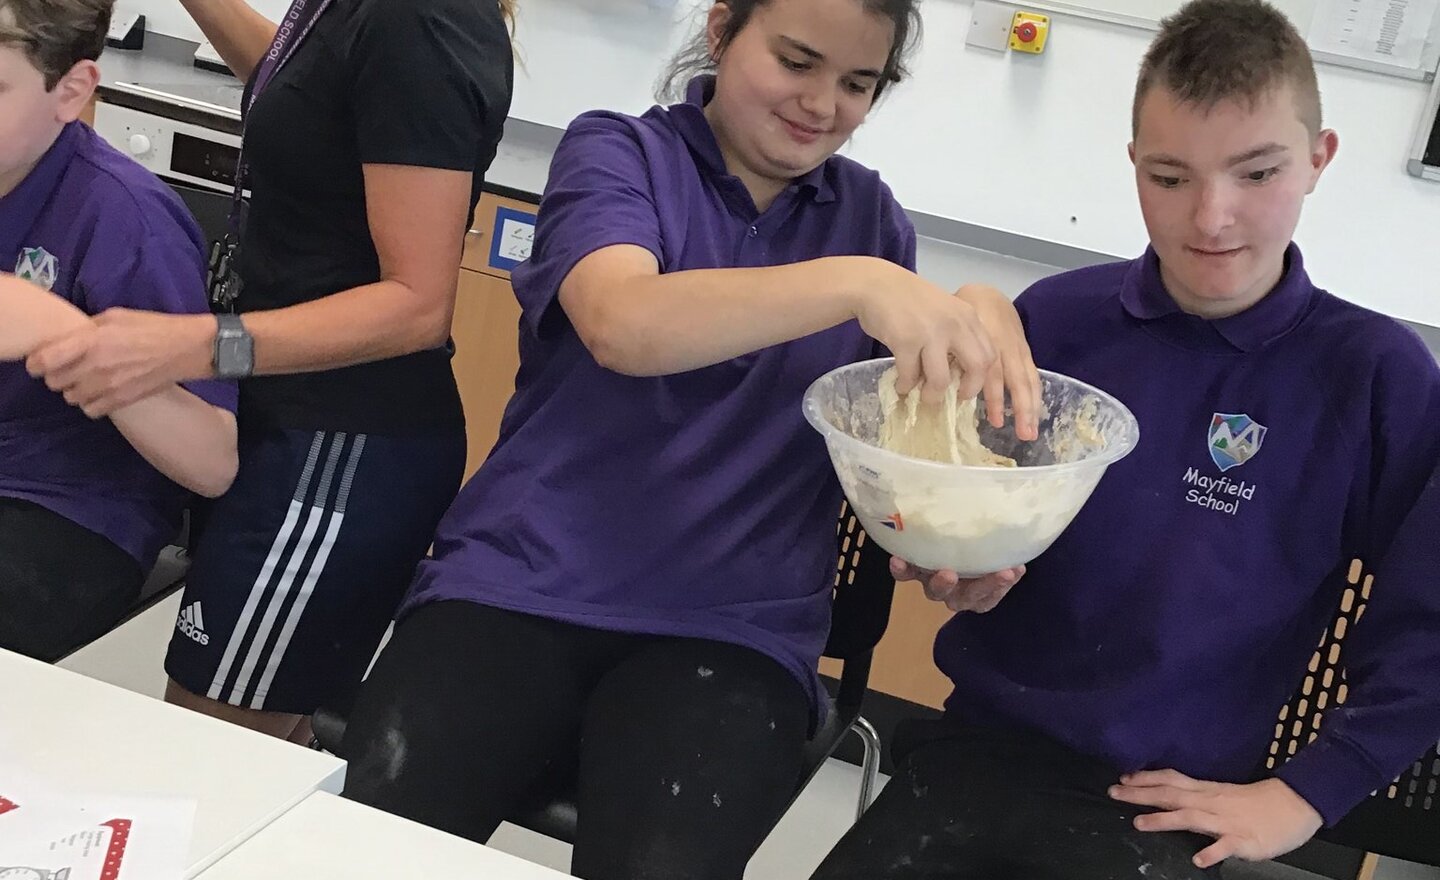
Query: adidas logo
[192,624]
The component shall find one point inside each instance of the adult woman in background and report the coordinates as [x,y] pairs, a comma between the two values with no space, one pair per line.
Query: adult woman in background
[369,127]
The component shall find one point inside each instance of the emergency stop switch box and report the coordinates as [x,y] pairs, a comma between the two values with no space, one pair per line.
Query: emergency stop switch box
[1029,31]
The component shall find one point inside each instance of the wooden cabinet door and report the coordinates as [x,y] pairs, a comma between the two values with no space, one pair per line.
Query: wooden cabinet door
[486,335]
[486,332]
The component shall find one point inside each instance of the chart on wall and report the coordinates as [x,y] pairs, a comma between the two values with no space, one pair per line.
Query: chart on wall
[1398,37]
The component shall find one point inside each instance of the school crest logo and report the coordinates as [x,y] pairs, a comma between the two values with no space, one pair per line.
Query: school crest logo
[1234,439]
[38,266]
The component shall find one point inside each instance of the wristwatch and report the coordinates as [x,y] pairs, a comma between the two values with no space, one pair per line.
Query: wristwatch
[234,349]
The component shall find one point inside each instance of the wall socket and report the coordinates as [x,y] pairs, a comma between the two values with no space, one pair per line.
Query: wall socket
[990,25]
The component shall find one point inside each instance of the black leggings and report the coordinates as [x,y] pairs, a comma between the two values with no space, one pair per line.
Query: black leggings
[687,751]
[975,804]
[61,585]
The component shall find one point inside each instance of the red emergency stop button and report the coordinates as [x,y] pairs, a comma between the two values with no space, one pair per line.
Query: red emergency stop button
[1027,31]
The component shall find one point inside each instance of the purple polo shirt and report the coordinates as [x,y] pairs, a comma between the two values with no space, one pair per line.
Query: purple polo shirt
[102,232]
[1176,615]
[698,504]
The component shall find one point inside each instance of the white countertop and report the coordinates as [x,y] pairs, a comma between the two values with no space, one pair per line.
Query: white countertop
[329,838]
[88,736]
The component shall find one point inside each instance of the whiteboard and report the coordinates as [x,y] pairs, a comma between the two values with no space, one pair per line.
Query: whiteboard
[1148,13]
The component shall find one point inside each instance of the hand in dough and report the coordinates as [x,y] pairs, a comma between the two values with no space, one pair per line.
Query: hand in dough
[945,432]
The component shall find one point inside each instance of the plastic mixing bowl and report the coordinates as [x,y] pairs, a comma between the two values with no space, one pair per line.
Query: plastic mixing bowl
[973,520]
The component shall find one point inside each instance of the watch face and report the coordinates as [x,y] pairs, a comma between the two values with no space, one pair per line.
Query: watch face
[245,355]
[236,358]
[23,874]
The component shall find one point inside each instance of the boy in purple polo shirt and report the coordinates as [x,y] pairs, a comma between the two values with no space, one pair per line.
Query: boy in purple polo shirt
[1286,432]
[85,505]
[638,579]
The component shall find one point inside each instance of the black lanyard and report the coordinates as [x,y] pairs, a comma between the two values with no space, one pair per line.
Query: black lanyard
[223,281]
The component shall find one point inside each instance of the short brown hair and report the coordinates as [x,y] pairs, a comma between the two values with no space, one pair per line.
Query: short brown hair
[55,34]
[1217,50]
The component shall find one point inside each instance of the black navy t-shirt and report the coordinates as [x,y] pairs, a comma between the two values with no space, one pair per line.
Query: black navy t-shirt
[422,83]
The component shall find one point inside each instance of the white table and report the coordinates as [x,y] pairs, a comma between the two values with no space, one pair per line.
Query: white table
[87,735]
[329,838]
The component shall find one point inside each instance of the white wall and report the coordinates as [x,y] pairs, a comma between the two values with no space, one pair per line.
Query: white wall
[950,265]
[1032,145]
[1025,144]
[169,17]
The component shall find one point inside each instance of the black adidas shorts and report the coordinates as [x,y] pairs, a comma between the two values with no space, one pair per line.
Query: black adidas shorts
[303,562]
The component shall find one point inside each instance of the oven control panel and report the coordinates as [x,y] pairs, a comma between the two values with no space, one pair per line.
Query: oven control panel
[174,150]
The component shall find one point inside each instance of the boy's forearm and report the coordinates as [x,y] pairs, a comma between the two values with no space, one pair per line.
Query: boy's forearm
[31,316]
[183,437]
